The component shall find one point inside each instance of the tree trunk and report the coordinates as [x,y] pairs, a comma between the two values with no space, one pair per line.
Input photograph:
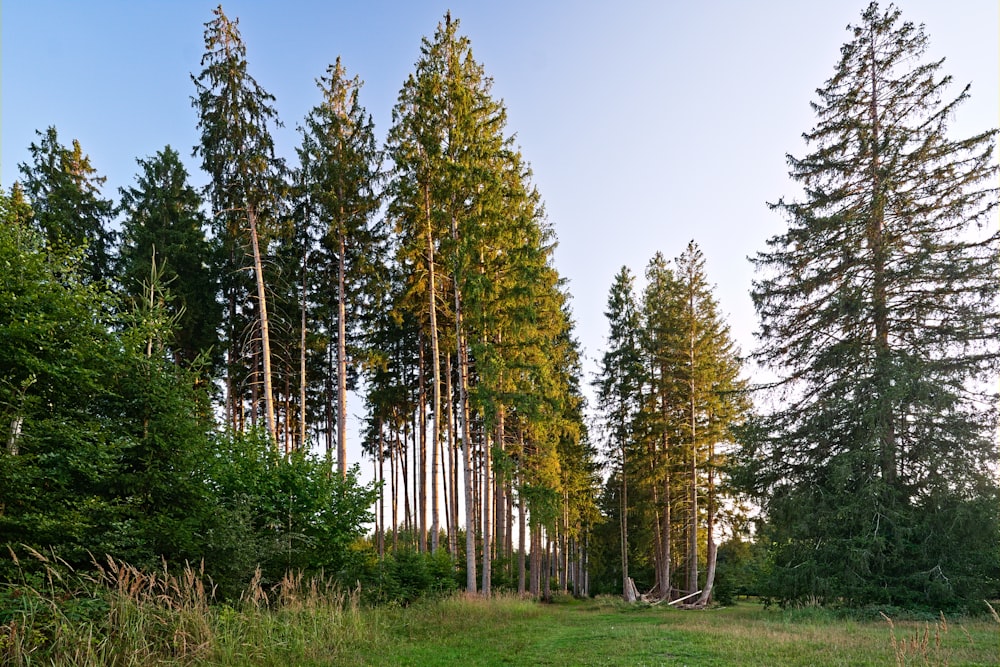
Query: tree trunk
[341,361]
[381,492]
[546,570]
[265,337]
[624,525]
[692,555]
[420,460]
[470,504]
[451,491]
[394,490]
[706,593]
[520,545]
[880,304]
[499,506]
[432,311]
[302,356]
[487,518]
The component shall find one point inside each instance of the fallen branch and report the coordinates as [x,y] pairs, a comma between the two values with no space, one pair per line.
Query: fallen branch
[683,598]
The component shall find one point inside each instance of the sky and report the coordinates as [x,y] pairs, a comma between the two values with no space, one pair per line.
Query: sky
[647,123]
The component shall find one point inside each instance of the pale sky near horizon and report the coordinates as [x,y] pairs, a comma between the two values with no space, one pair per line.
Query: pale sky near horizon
[647,124]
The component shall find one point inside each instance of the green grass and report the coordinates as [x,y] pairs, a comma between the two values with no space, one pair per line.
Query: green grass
[472,632]
[125,617]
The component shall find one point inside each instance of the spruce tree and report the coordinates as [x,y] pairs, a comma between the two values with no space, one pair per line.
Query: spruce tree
[661,420]
[619,384]
[235,116]
[64,192]
[340,176]
[164,232]
[878,309]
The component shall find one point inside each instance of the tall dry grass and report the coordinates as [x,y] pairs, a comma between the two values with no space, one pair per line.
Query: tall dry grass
[117,615]
[925,644]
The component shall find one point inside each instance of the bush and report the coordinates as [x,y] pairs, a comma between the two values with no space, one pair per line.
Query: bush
[406,575]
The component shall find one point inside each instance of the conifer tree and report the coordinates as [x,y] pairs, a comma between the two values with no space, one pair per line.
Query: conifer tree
[477,278]
[235,116]
[618,391]
[713,403]
[878,309]
[340,174]
[661,417]
[64,192]
[163,232]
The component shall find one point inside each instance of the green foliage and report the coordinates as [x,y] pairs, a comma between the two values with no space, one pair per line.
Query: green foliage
[107,447]
[406,575]
[64,192]
[164,249]
[741,569]
[878,309]
[100,439]
[283,513]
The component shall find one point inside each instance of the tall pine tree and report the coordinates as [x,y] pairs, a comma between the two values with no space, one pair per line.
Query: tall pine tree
[878,308]
[619,384]
[340,176]
[235,116]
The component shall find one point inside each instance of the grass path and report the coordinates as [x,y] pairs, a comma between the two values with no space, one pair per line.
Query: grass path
[511,632]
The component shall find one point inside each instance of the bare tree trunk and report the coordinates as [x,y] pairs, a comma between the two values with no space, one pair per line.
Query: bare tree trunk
[564,546]
[436,445]
[451,492]
[435,348]
[380,458]
[404,464]
[706,592]
[265,336]
[499,515]
[302,355]
[455,469]
[394,491]
[536,560]
[520,545]
[487,518]
[420,461]
[341,360]
[328,398]
[667,528]
[470,504]
[624,525]
[546,569]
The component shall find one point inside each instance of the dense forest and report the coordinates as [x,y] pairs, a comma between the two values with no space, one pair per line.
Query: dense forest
[175,362]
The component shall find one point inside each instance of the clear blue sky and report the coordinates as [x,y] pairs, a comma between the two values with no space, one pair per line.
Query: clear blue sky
[647,124]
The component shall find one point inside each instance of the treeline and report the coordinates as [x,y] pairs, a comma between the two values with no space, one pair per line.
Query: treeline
[165,384]
[873,456]
[419,271]
[671,394]
[877,465]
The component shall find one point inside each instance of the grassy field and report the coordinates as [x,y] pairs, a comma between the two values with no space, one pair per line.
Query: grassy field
[510,632]
[136,619]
